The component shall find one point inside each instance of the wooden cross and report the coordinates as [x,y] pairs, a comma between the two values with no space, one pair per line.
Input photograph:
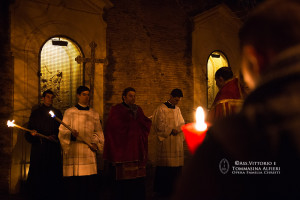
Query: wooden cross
[93,61]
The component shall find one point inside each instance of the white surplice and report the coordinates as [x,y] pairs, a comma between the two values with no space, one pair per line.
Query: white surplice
[78,158]
[169,148]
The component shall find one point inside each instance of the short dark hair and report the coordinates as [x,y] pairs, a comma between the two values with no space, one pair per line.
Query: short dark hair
[81,89]
[47,92]
[272,27]
[224,72]
[126,90]
[177,93]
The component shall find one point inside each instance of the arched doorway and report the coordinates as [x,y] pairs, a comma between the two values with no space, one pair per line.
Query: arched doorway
[59,71]
[216,60]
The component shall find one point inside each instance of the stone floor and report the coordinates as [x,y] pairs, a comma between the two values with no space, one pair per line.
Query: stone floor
[104,190]
[11,197]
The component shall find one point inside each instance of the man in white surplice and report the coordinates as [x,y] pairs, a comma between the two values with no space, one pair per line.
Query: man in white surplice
[79,159]
[167,122]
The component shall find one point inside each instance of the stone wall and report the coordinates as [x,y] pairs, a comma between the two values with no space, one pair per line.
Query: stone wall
[148,44]
[148,49]
[32,24]
[214,30]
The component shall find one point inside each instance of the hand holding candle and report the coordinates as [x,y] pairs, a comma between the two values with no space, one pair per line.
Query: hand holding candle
[74,132]
[195,132]
[12,124]
[61,122]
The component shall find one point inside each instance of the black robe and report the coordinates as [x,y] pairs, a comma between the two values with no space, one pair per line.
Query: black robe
[45,171]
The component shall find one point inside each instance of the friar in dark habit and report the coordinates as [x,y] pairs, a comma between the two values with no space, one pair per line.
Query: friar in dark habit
[45,172]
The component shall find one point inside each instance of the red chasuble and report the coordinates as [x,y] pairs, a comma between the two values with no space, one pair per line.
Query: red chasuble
[126,141]
[228,101]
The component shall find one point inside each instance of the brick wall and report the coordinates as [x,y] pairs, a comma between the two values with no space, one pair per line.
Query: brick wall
[149,49]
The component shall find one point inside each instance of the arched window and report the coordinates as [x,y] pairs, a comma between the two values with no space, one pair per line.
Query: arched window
[59,71]
[216,60]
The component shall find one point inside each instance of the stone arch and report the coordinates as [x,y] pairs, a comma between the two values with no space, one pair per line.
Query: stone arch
[59,71]
[215,29]
[216,60]
[32,23]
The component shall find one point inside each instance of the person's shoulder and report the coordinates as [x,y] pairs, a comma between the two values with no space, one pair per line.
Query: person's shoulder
[177,107]
[161,106]
[37,110]
[117,106]
[92,110]
[114,109]
[71,109]
[56,110]
[139,107]
[36,107]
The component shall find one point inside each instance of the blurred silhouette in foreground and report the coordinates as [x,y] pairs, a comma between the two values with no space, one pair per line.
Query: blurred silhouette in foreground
[256,154]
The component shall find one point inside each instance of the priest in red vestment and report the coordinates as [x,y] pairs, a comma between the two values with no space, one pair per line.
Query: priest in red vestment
[229,99]
[126,147]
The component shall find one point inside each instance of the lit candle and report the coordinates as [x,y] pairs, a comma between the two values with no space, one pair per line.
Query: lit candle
[12,124]
[195,132]
[68,127]
[59,121]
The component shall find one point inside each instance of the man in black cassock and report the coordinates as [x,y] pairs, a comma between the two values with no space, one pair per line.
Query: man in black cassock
[45,171]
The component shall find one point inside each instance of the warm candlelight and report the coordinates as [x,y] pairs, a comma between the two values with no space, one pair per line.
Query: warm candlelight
[59,120]
[12,124]
[200,119]
[68,127]
[52,113]
[195,132]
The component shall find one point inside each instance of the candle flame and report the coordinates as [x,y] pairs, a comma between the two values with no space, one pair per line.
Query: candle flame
[52,113]
[11,123]
[200,122]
